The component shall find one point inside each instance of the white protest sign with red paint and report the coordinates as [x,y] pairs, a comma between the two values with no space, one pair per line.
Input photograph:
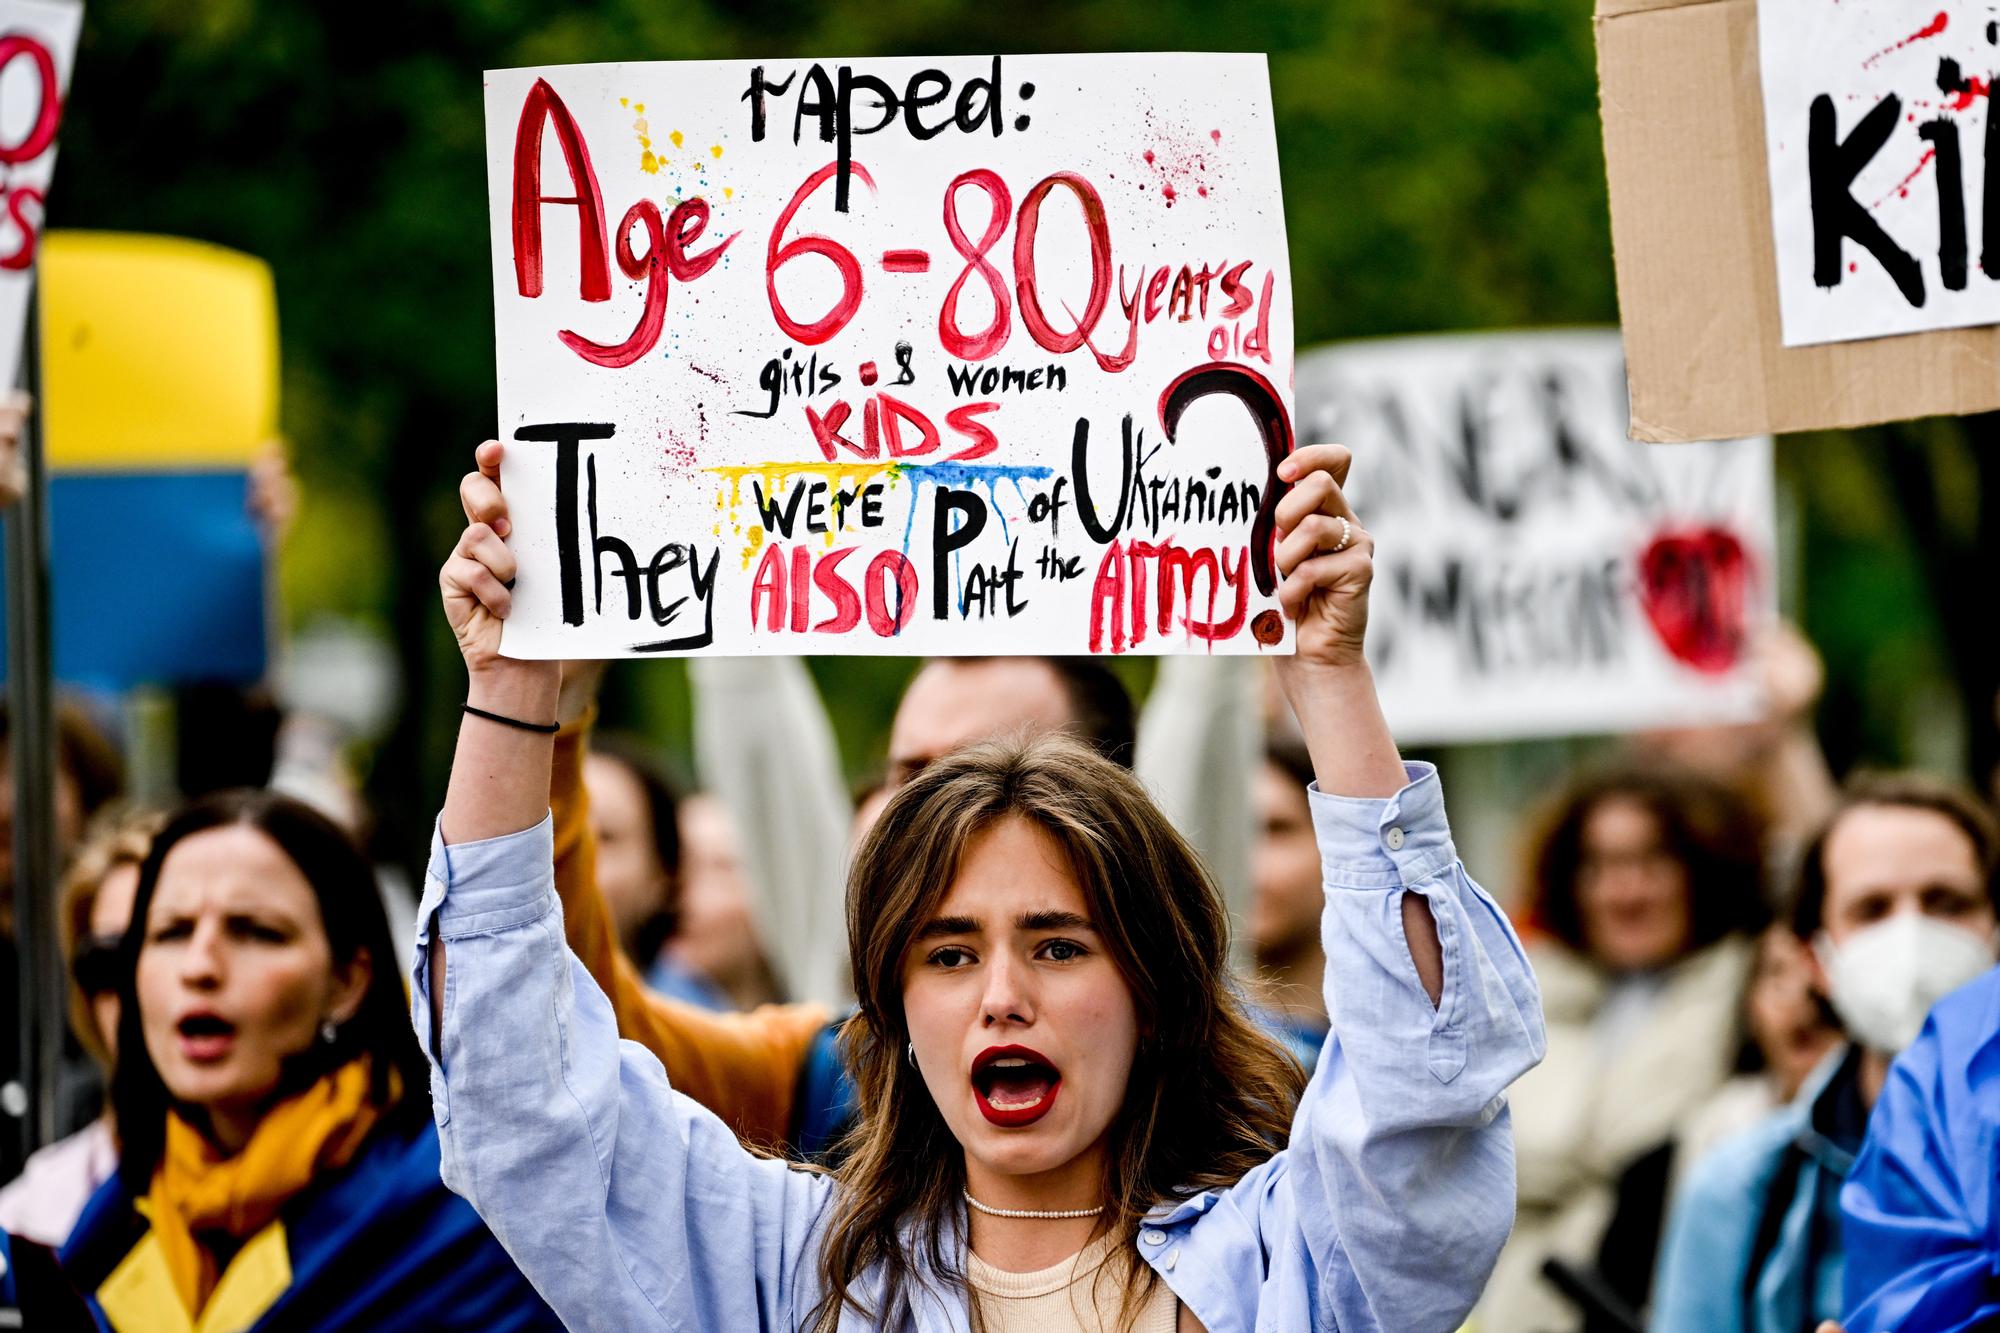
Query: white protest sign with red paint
[964,355]
[1876,114]
[37,50]
[1536,572]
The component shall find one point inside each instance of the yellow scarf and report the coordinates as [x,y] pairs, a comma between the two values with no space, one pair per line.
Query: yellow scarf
[199,1196]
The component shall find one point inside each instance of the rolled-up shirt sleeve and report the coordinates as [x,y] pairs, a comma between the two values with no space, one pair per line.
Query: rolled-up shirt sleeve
[1402,1156]
[577,1154]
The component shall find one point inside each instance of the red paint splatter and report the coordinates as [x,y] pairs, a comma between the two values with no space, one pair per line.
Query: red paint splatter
[1201,190]
[1975,88]
[1168,190]
[1902,189]
[1215,135]
[704,370]
[869,374]
[1931,29]
[1853,267]
[1695,587]
[1148,155]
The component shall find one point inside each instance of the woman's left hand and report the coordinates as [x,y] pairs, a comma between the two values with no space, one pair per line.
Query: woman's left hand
[1325,557]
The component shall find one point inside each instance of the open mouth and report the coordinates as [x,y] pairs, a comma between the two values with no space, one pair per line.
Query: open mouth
[1014,1085]
[205,1036]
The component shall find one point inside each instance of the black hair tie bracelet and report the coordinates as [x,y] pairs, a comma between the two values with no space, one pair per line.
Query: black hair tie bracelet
[539,728]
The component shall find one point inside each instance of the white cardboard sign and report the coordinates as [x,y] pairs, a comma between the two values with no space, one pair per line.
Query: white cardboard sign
[1875,114]
[1538,573]
[37,51]
[965,355]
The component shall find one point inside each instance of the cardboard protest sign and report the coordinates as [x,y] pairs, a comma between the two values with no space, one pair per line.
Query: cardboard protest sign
[966,355]
[1692,229]
[1537,573]
[37,49]
[1876,121]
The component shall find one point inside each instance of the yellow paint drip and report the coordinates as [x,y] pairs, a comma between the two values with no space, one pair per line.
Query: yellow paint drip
[716,149]
[648,163]
[674,138]
[728,193]
[754,540]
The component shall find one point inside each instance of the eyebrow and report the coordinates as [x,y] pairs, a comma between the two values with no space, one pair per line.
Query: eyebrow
[947,925]
[1043,920]
[1054,921]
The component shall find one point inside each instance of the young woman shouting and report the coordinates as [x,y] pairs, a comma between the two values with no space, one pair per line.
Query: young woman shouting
[1066,1120]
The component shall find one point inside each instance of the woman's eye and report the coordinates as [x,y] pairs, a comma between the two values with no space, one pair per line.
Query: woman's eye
[1062,951]
[950,956]
[172,930]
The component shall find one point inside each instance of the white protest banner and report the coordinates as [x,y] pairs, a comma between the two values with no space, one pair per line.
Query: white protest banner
[965,355]
[37,50]
[1538,573]
[1875,113]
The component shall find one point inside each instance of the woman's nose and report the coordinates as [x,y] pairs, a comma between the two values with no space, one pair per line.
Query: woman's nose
[201,960]
[1008,997]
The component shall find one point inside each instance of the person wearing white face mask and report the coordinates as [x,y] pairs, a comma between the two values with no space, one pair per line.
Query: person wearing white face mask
[1896,899]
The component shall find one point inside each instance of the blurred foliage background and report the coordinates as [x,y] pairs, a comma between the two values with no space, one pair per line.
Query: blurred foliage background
[1443,170]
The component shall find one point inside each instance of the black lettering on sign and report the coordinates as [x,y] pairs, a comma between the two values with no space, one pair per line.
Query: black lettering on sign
[567,435]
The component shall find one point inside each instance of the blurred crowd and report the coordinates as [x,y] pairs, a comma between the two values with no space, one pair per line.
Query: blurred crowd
[1745,1120]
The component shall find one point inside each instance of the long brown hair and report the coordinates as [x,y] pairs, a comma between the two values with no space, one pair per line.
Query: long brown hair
[1210,1096]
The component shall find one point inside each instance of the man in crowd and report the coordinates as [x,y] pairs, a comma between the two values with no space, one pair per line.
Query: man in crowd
[1897,901]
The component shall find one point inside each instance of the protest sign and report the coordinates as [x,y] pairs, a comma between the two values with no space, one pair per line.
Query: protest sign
[1876,119]
[37,48]
[1536,572]
[965,355]
[1692,230]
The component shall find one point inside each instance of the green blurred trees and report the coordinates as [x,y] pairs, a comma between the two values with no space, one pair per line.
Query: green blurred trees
[1442,161]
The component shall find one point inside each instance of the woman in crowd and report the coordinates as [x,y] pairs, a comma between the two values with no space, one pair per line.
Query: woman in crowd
[1063,1103]
[278,1167]
[1645,889]
[45,1200]
[716,940]
[1788,1029]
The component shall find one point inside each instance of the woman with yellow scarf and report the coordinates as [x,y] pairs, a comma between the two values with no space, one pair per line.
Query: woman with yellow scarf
[279,1163]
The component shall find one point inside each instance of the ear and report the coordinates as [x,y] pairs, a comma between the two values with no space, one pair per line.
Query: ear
[350,986]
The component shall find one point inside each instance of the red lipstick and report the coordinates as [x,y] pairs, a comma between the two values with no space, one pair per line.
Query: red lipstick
[1014,1085]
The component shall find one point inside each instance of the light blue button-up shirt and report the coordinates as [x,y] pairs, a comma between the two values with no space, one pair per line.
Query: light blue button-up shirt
[630,1206]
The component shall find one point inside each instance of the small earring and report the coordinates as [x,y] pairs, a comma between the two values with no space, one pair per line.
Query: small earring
[911,1051]
[328,1033]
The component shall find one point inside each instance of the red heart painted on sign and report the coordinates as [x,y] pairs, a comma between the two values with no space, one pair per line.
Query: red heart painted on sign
[1695,586]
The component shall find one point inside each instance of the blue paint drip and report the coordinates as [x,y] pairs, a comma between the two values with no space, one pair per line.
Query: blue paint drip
[965,476]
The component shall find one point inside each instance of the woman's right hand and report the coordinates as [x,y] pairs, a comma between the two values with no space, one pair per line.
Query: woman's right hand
[476,579]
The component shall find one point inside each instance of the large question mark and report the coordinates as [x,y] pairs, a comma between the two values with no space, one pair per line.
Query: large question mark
[1268,410]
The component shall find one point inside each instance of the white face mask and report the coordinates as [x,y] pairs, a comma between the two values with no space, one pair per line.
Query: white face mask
[1887,976]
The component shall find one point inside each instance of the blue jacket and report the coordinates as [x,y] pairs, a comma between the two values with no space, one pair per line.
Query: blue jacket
[1923,1229]
[632,1207]
[1754,1242]
[380,1244]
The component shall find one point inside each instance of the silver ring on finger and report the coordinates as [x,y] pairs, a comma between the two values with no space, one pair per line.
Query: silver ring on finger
[1346,534]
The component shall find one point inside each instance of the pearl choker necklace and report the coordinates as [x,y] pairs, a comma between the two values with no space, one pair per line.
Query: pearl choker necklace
[1033,1214]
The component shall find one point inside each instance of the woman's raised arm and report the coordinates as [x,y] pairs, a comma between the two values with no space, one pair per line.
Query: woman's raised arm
[1399,1176]
[626,1204]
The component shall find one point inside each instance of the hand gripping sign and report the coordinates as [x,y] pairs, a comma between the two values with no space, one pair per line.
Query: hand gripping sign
[973,355]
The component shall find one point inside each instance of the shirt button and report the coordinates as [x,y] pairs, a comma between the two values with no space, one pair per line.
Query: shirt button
[1152,1237]
[1394,837]
[1172,1256]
